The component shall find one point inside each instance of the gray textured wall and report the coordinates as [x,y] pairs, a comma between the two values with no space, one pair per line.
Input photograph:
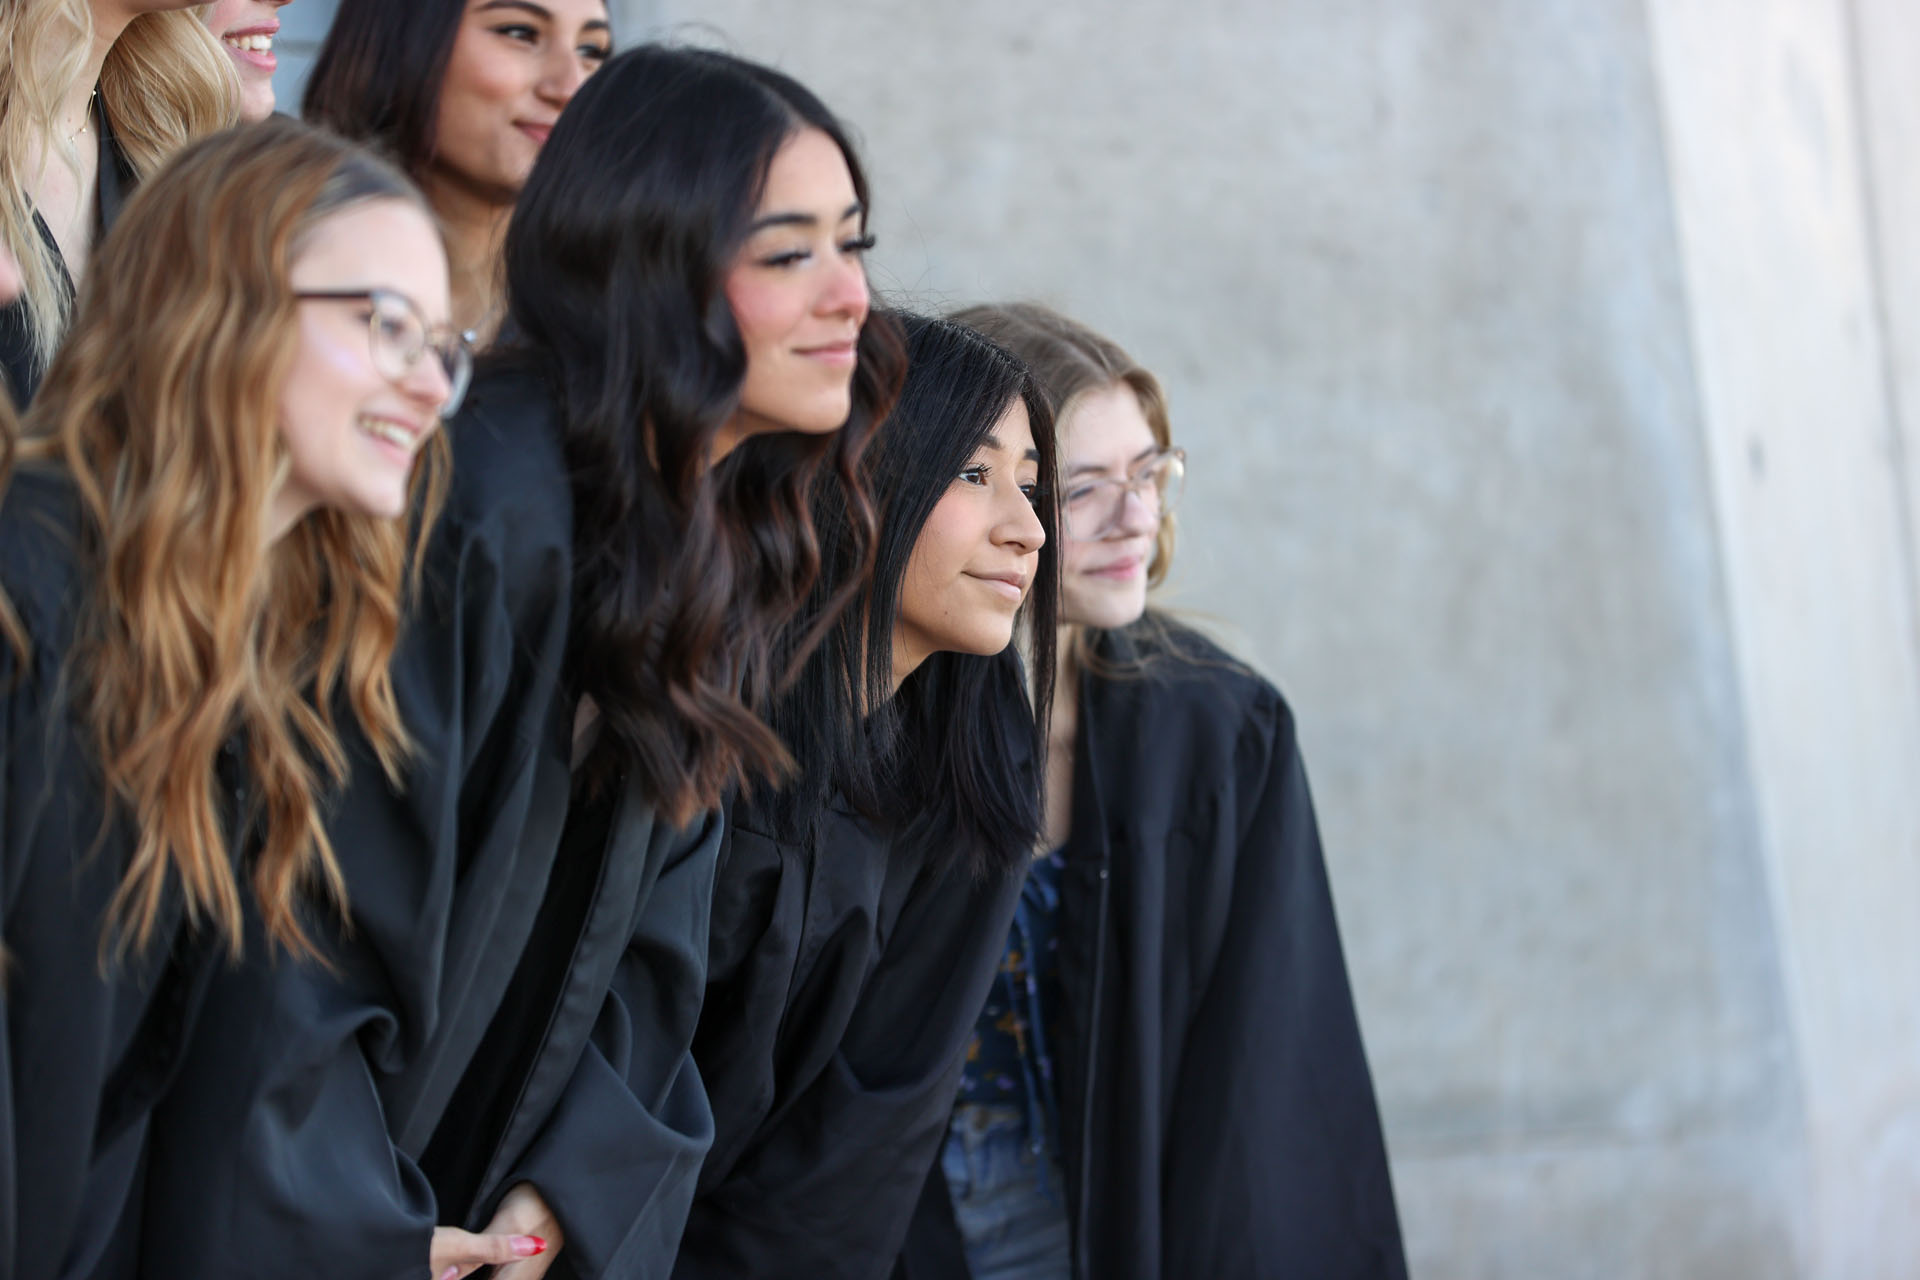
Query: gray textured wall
[1542,364]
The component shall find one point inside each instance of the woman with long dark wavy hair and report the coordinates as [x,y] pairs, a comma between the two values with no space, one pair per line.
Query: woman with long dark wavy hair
[1167,1078]
[203,536]
[462,94]
[628,532]
[861,908]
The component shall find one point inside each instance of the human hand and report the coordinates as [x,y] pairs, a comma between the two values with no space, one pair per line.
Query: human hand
[457,1253]
[524,1215]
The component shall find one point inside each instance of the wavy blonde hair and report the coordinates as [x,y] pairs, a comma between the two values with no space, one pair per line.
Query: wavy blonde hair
[164,83]
[163,406]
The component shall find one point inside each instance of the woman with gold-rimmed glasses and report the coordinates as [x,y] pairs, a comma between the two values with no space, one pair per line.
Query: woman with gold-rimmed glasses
[1168,1078]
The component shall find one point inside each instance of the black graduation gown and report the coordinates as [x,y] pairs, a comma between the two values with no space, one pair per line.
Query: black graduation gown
[88,1047]
[115,184]
[496,1013]
[297,1124]
[844,980]
[1217,1111]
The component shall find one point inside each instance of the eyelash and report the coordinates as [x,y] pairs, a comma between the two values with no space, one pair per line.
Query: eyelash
[859,245]
[528,35]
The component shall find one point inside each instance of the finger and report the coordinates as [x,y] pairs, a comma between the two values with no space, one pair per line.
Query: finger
[466,1248]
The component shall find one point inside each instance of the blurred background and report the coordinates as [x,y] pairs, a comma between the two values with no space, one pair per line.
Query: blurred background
[1549,373]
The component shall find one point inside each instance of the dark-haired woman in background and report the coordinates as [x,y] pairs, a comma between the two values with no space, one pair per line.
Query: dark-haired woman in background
[627,531]
[1168,1079]
[462,94]
[860,912]
[205,525]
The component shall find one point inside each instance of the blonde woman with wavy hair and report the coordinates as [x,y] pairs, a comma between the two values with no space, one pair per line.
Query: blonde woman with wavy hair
[205,539]
[94,95]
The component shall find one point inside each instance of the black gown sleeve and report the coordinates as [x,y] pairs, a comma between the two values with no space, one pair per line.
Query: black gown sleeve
[617,1154]
[828,1188]
[1273,1105]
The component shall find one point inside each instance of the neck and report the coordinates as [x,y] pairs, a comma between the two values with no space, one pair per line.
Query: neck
[476,231]
[109,23]
[1066,682]
[906,659]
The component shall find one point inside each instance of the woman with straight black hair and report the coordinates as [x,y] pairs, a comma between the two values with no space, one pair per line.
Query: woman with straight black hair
[628,530]
[462,94]
[1167,1079]
[860,911]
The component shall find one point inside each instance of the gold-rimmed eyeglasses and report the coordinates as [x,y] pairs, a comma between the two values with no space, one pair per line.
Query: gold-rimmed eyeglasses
[398,335]
[1093,505]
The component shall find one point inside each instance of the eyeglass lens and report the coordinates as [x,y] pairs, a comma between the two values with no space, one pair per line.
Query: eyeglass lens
[400,338]
[1092,508]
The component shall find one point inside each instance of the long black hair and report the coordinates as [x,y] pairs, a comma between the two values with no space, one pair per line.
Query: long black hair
[953,760]
[378,75]
[684,573]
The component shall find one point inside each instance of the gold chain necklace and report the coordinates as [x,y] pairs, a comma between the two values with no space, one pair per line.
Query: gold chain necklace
[86,121]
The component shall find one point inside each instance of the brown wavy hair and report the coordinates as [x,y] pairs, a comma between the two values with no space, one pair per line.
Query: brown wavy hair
[163,407]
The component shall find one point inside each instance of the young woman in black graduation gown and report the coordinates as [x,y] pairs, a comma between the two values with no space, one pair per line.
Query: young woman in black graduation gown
[861,911]
[77,134]
[687,350]
[203,526]
[1179,1086]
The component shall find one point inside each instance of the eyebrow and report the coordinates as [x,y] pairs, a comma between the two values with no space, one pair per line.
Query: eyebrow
[1132,462]
[540,11]
[794,219]
[993,442]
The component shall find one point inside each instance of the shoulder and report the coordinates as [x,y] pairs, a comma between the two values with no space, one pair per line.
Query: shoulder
[506,445]
[509,501]
[1180,681]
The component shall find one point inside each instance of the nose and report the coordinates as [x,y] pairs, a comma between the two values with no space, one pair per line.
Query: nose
[1139,511]
[561,76]
[844,290]
[427,383]
[1020,527]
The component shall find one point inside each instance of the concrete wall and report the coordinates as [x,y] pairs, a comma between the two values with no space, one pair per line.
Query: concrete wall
[1543,365]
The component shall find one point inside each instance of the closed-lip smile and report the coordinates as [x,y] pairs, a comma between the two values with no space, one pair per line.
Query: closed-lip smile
[844,352]
[1012,583]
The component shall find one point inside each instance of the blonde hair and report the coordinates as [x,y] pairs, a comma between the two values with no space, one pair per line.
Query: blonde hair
[164,83]
[1068,361]
[163,406]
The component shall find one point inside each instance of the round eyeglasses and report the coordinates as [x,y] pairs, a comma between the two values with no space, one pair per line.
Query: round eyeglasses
[1093,505]
[398,335]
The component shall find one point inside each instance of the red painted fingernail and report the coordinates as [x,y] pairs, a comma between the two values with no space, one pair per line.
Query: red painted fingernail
[529,1246]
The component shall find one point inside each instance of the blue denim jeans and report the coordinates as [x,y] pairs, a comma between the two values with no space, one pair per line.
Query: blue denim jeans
[1015,1225]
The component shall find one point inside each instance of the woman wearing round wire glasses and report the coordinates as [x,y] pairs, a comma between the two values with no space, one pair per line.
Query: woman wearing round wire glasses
[1168,1078]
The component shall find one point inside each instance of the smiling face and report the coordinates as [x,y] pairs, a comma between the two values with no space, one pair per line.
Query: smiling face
[514,65]
[1105,436]
[351,432]
[798,291]
[246,29]
[977,554]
